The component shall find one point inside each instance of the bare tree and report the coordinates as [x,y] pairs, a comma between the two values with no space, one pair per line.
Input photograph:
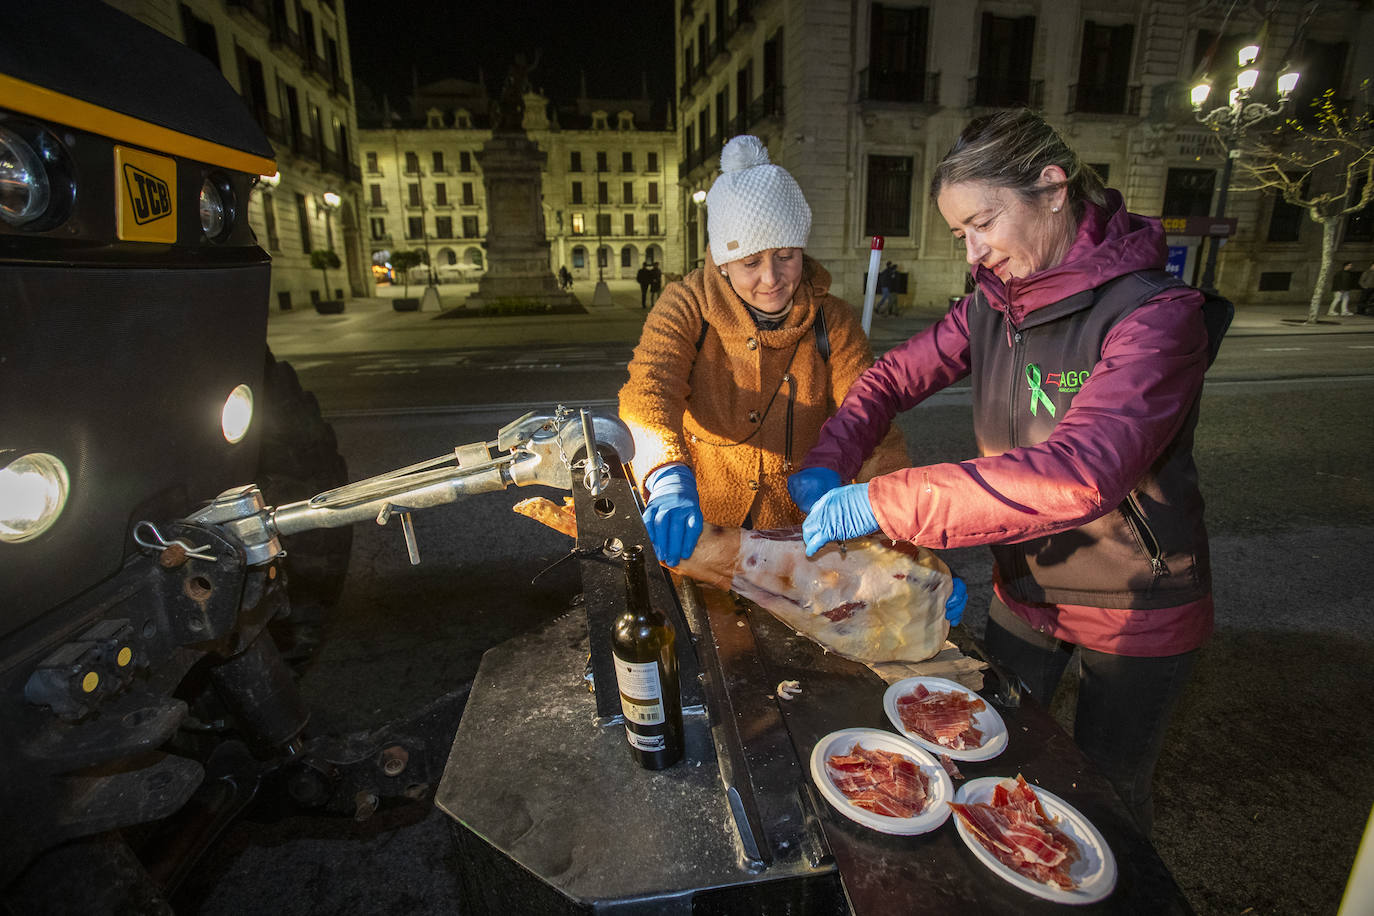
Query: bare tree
[1326,167]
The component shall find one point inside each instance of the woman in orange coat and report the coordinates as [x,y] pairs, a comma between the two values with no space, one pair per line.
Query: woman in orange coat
[739,365]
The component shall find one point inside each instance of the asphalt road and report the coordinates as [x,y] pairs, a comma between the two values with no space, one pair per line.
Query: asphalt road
[1267,775]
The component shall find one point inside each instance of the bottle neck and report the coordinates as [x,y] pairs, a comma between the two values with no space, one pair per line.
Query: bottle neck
[637,583]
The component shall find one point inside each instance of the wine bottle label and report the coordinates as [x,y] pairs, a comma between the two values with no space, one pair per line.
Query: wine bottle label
[641,695]
[646,742]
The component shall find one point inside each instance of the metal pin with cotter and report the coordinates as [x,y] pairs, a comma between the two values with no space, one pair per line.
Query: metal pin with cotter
[407,530]
[595,475]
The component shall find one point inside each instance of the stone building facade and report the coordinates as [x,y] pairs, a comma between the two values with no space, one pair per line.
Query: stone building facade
[609,182]
[290,62]
[859,100]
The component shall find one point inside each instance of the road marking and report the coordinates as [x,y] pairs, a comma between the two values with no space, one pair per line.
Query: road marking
[1282,349]
[1360,347]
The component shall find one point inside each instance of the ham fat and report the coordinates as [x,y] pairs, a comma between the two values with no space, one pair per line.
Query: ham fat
[875,601]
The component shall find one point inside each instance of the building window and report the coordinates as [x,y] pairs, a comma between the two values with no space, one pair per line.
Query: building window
[1005,47]
[653,192]
[888,209]
[468,198]
[303,222]
[603,193]
[601,162]
[413,190]
[579,257]
[628,192]
[627,162]
[1285,219]
[603,224]
[470,230]
[629,224]
[1275,281]
[465,161]
[462,118]
[603,257]
[443,227]
[897,54]
[744,92]
[200,35]
[1188,192]
[439,161]
[577,192]
[579,224]
[574,161]
[415,227]
[440,194]
[651,165]
[599,120]
[1104,68]
[378,227]
[372,164]
[653,224]
[412,163]
[375,195]
[1323,69]
[627,256]
[722,112]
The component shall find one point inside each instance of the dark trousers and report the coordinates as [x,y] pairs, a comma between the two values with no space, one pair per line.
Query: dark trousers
[1124,702]
[643,294]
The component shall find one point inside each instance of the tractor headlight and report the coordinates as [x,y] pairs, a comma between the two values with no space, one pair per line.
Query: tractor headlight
[24,188]
[33,493]
[213,215]
[237,414]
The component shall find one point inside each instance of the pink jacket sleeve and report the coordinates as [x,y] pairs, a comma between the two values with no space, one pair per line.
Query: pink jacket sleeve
[1133,404]
[901,379]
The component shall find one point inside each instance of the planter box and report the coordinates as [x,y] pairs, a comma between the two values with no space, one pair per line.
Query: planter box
[411,304]
[329,306]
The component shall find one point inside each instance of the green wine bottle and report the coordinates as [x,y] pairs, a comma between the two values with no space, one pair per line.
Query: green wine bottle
[643,642]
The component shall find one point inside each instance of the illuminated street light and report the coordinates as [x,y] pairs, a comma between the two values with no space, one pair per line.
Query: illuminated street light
[1230,122]
[332,202]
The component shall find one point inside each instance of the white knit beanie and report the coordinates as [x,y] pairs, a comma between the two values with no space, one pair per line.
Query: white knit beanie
[753,205]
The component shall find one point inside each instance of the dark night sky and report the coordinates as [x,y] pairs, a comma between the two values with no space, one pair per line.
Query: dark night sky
[612,40]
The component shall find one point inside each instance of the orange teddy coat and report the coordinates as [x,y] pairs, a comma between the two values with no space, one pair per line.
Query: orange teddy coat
[710,408]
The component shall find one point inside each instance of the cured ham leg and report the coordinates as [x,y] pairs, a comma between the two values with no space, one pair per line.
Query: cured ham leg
[875,601]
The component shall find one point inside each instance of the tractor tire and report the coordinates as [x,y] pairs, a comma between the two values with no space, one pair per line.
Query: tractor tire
[300,458]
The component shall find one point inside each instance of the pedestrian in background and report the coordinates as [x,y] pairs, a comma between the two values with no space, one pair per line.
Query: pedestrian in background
[740,363]
[655,282]
[643,278]
[1087,362]
[1346,282]
[887,282]
[1366,303]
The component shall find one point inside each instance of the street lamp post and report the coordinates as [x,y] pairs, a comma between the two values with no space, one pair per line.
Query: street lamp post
[1230,122]
[700,241]
[331,201]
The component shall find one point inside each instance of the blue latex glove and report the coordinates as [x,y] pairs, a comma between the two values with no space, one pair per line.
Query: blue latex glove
[954,606]
[810,484]
[673,515]
[842,513]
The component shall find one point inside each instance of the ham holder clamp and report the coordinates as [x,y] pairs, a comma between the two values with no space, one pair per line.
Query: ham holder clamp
[551,815]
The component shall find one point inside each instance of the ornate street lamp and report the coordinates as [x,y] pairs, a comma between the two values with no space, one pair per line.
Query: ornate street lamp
[1230,122]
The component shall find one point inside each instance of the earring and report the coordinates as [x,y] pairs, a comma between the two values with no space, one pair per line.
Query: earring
[1054,209]
[723,272]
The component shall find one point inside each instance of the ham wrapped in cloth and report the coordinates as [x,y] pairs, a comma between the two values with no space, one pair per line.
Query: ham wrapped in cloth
[875,601]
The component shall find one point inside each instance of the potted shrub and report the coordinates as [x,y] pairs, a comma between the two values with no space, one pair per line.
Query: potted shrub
[322,259]
[403,262]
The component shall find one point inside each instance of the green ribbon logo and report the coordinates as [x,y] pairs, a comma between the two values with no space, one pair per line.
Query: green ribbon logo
[1038,395]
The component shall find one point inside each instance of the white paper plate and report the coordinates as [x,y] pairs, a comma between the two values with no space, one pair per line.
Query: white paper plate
[1095,870]
[988,721]
[941,789]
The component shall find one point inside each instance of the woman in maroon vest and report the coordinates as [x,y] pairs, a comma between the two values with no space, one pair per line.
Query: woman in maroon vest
[1086,361]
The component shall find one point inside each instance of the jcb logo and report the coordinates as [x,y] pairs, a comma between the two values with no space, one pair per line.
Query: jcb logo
[147,190]
[149,195]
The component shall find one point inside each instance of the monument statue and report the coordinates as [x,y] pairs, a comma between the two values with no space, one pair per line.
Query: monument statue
[510,109]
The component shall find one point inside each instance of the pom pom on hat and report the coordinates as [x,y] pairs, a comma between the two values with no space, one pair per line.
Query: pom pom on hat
[754,205]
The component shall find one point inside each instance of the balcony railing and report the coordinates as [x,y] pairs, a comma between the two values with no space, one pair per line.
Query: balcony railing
[741,25]
[915,88]
[283,36]
[990,92]
[339,87]
[355,172]
[257,9]
[1089,98]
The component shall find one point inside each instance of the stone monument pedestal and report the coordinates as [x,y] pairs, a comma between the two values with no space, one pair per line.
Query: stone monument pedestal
[518,271]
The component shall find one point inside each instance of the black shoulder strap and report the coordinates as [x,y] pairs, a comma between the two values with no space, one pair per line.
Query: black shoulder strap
[822,334]
[1217,310]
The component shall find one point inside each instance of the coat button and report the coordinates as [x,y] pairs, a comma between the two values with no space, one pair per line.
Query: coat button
[753,484]
[752,344]
[753,416]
